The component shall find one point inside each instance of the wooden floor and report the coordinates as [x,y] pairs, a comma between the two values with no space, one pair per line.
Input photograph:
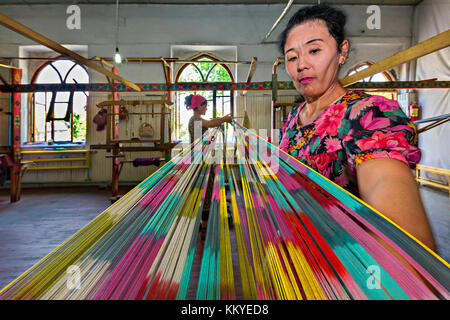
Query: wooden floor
[45,217]
[42,220]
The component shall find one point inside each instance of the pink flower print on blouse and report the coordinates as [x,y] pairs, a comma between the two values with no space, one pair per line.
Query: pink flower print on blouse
[333,144]
[403,127]
[290,125]
[413,155]
[329,120]
[390,155]
[284,144]
[368,122]
[358,107]
[321,161]
[292,119]
[304,152]
[298,136]
[348,137]
[384,104]
[379,140]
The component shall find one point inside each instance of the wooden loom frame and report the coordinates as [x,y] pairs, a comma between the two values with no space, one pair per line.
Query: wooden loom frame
[12,154]
[113,124]
[113,141]
[35,36]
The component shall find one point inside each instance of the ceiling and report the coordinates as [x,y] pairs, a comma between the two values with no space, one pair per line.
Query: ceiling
[208,2]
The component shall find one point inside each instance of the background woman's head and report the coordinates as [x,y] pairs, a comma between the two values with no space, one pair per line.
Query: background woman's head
[314,47]
[196,102]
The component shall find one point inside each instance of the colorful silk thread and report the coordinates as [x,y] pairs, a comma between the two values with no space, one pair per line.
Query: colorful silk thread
[276,230]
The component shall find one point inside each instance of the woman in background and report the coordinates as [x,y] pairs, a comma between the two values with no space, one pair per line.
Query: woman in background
[198,104]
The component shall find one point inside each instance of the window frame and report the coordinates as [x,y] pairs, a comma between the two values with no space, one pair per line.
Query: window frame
[216,62]
[389,77]
[32,100]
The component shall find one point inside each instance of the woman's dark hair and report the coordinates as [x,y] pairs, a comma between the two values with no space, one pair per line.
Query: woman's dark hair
[188,100]
[334,18]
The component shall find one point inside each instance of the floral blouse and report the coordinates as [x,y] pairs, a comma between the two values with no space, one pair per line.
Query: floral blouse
[355,128]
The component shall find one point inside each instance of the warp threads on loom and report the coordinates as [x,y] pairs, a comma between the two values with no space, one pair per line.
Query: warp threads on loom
[296,235]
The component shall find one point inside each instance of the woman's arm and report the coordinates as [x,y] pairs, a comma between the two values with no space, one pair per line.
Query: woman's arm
[388,186]
[216,122]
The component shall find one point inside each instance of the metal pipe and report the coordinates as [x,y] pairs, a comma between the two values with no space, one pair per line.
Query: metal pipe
[285,11]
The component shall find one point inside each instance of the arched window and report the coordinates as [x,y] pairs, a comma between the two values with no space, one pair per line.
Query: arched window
[377,77]
[58,116]
[207,68]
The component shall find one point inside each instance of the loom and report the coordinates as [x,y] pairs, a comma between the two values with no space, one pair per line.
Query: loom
[295,235]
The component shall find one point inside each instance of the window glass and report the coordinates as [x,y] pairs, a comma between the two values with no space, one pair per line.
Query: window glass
[208,70]
[60,71]
[378,77]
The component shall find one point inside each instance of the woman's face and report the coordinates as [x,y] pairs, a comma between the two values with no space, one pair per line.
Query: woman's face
[202,109]
[312,58]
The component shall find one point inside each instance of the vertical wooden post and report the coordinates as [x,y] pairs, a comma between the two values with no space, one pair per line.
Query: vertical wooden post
[274,98]
[109,121]
[168,76]
[214,104]
[115,134]
[162,123]
[169,124]
[232,103]
[15,138]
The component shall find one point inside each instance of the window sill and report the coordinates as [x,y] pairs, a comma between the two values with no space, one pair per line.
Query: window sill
[55,145]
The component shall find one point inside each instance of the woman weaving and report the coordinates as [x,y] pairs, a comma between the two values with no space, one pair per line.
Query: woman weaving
[197,126]
[198,104]
[364,143]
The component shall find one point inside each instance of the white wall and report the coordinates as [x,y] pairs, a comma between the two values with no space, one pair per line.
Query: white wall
[432,18]
[153,30]
[150,30]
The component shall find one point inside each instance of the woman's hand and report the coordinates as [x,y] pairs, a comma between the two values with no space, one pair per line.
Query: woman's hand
[228,118]
[216,122]
[388,186]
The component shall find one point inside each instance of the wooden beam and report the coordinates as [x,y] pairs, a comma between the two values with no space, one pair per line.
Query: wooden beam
[7,66]
[251,71]
[33,35]
[130,102]
[209,86]
[421,49]
[432,125]
[145,59]
[112,68]
[103,61]
[4,80]
[164,61]
[167,75]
